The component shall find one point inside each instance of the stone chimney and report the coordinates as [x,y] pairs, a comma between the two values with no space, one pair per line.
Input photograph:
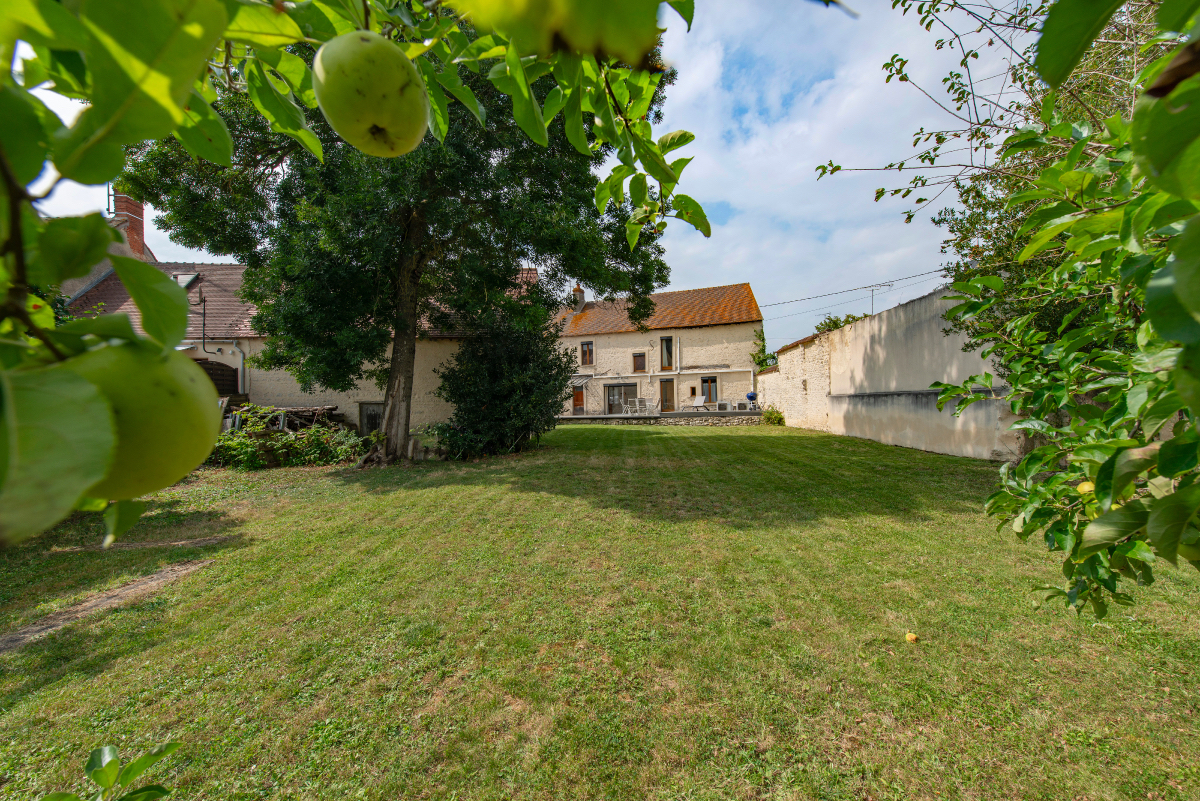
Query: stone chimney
[579,298]
[127,215]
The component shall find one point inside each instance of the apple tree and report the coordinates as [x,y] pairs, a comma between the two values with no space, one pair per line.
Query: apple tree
[1085,169]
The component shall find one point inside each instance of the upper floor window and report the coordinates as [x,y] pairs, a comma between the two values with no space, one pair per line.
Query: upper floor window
[585,353]
[668,353]
[639,362]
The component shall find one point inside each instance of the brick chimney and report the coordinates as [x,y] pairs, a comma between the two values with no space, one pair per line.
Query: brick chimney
[128,213]
[579,298]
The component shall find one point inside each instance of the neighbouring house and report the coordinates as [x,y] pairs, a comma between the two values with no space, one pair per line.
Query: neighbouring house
[871,379]
[220,339]
[696,347]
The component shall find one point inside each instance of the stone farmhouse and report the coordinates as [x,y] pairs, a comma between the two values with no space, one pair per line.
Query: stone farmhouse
[698,344]
[697,349]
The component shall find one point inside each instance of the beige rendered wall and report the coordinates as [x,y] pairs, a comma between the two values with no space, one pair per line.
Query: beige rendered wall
[871,380]
[903,348]
[278,388]
[722,351]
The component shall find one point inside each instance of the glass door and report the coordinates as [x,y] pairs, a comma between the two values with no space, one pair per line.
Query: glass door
[618,396]
[666,389]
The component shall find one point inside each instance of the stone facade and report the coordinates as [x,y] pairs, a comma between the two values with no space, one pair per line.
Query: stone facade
[697,420]
[717,351]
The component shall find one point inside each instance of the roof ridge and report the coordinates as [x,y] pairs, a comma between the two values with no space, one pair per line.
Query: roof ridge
[199,264]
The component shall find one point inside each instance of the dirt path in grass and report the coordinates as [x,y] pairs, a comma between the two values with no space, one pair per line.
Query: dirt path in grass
[126,546]
[133,591]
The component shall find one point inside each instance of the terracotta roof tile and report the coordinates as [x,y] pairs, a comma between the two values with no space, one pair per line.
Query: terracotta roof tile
[224,315]
[689,308]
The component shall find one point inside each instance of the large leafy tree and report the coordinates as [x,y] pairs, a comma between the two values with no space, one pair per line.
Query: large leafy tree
[994,92]
[352,258]
[153,69]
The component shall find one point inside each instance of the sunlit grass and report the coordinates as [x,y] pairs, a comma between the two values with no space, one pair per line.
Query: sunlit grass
[629,612]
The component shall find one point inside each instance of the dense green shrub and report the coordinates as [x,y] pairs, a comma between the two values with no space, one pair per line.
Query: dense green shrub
[772,416]
[508,383]
[254,446]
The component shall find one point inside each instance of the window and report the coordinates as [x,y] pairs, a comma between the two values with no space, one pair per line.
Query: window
[585,353]
[708,388]
[693,391]
[668,353]
[639,362]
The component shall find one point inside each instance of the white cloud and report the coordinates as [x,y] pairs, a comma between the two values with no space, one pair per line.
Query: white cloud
[772,90]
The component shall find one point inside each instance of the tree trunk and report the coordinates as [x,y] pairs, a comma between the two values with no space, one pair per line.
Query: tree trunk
[397,408]
[397,401]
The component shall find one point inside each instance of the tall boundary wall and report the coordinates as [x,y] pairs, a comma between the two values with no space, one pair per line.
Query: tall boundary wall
[871,380]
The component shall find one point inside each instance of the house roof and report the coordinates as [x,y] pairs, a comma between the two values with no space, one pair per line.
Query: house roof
[223,314]
[689,308]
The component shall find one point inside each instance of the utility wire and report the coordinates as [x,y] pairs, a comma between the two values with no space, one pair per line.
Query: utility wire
[851,300]
[844,291]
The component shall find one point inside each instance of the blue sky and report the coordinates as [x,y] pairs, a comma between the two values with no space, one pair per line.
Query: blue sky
[771,89]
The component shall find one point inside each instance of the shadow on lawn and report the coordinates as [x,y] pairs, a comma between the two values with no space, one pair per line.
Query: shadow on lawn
[741,477]
[64,563]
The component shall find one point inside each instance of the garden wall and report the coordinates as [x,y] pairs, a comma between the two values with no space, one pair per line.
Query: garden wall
[871,380]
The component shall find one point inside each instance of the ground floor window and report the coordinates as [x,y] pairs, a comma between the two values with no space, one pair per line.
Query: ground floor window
[618,396]
[708,389]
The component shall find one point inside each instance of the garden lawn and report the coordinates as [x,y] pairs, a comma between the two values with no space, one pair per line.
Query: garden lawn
[629,612]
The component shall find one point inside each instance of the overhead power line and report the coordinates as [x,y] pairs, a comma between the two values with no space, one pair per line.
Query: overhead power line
[844,291]
[851,300]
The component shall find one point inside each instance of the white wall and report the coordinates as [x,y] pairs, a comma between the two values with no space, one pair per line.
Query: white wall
[871,379]
[279,388]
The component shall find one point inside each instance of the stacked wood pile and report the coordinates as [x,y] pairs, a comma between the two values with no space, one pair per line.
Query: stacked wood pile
[290,418]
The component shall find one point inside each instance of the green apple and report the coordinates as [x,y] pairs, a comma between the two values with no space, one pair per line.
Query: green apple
[371,94]
[165,410]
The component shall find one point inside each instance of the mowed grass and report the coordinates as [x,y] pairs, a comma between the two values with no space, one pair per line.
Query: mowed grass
[628,612]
